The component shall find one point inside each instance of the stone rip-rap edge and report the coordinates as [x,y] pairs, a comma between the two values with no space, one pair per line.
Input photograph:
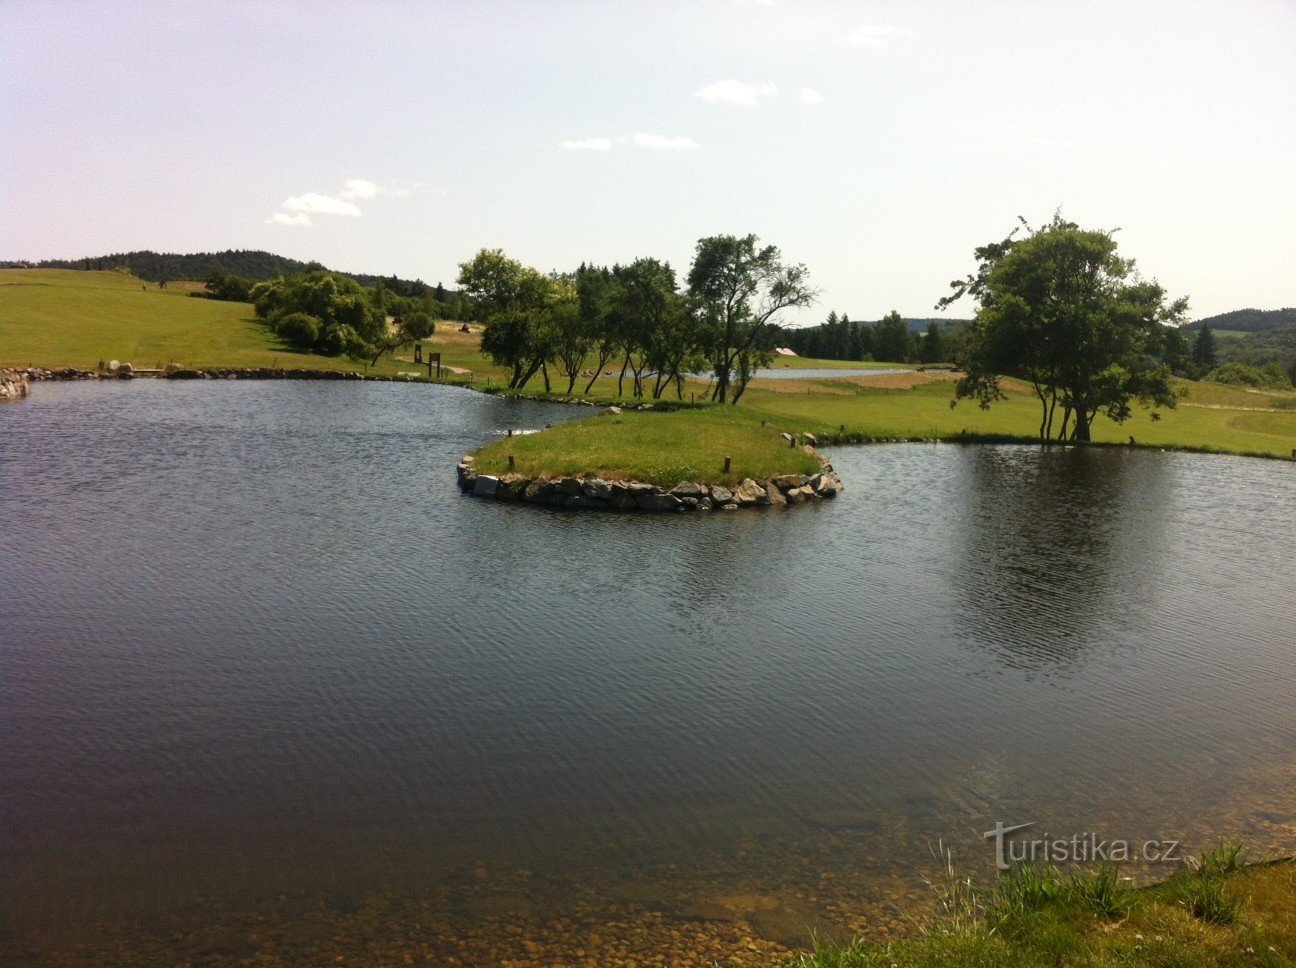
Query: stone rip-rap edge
[594,493]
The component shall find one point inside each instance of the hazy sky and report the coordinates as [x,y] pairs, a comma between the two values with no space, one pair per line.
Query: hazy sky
[877,143]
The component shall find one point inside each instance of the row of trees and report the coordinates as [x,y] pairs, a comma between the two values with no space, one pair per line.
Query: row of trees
[841,338]
[723,320]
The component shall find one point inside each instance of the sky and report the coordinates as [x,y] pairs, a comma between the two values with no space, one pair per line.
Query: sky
[877,143]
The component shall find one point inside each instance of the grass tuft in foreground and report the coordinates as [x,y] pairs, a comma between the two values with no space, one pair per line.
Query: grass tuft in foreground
[1217,912]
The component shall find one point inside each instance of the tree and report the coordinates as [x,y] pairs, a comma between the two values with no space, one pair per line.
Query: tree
[511,299]
[1203,352]
[740,291]
[933,344]
[1175,351]
[1063,311]
[891,339]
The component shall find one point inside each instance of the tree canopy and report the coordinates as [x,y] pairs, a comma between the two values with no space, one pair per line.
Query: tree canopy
[1062,310]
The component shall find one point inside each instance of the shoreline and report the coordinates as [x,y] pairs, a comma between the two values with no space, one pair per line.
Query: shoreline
[24,376]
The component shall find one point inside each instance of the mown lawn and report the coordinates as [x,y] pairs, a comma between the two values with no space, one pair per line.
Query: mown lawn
[654,447]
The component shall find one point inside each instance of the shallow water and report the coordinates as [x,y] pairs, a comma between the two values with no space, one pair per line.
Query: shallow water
[264,665]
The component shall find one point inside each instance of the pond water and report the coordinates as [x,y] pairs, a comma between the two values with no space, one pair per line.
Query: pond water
[270,686]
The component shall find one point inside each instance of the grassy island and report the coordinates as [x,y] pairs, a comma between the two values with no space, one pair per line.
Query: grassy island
[654,447]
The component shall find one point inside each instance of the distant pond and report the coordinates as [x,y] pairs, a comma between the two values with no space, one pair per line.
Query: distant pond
[266,674]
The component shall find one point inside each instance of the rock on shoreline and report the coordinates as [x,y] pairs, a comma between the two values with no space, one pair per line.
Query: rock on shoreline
[597,494]
[13,384]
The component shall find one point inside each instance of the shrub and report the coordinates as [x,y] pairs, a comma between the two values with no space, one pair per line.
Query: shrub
[298,330]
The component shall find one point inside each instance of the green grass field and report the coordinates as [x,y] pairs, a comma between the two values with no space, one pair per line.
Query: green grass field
[63,317]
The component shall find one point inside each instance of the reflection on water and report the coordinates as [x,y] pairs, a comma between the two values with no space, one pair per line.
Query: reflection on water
[272,687]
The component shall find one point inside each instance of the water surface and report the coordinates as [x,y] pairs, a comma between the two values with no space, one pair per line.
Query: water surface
[261,658]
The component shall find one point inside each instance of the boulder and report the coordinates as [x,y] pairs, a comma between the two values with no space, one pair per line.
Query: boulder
[569,486]
[789,438]
[538,492]
[688,489]
[657,502]
[510,487]
[785,482]
[773,494]
[704,504]
[721,494]
[622,502]
[597,489]
[688,503]
[810,439]
[729,507]
[612,410]
[485,485]
[749,492]
[799,495]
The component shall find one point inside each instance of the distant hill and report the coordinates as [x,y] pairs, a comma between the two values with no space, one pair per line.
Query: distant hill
[1248,320]
[250,264]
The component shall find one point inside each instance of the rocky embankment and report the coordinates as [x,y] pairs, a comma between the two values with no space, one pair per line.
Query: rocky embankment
[596,494]
[13,384]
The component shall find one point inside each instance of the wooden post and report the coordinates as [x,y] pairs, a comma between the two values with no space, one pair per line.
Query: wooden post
[512,465]
[510,433]
[728,464]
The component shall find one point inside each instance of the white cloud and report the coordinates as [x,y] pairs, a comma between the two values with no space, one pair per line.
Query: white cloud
[359,188]
[874,35]
[320,205]
[587,144]
[282,218]
[736,92]
[661,141]
[811,97]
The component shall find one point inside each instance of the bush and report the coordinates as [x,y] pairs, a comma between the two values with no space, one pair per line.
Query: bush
[1273,376]
[298,330]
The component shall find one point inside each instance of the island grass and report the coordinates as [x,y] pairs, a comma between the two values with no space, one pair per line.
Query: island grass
[1215,915]
[654,447]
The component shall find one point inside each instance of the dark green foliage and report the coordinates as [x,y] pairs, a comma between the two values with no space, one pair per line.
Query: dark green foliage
[892,340]
[932,348]
[1204,353]
[301,331]
[221,285]
[350,318]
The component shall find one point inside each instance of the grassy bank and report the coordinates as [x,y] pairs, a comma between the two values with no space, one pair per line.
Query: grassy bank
[654,447]
[56,318]
[1219,914]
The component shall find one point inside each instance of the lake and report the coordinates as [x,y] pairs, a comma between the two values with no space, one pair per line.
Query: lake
[268,678]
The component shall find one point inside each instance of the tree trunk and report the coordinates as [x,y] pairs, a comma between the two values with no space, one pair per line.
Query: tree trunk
[625,364]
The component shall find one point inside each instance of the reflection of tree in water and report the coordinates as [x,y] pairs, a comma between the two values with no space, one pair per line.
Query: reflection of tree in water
[1056,544]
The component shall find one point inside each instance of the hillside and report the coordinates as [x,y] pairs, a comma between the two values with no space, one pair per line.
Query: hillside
[252,264]
[1248,320]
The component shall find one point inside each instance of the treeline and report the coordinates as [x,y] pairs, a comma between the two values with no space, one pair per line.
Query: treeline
[891,338]
[1248,320]
[722,320]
